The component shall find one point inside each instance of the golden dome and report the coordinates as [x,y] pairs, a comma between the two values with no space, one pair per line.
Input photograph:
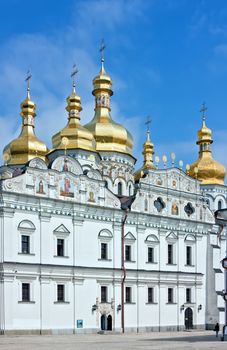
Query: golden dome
[77,135]
[27,146]
[148,151]
[206,169]
[109,135]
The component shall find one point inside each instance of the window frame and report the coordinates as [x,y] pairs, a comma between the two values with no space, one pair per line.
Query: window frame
[170,254]
[188,256]
[103,294]
[26,228]
[61,299]
[105,237]
[128,252]
[62,247]
[188,295]
[61,232]
[150,298]
[128,295]
[170,295]
[23,297]
[28,244]
[150,257]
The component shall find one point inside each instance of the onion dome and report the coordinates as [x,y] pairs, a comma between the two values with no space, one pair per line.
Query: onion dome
[148,151]
[109,135]
[206,169]
[77,136]
[27,146]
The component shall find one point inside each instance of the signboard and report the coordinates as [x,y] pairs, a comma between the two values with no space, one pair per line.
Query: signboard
[79,323]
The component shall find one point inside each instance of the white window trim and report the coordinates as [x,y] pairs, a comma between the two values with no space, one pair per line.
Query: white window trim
[155,294]
[132,294]
[32,289]
[105,236]
[66,292]
[174,295]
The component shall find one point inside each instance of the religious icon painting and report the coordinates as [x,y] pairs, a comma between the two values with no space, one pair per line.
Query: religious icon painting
[174,210]
[174,183]
[91,197]
[66,187]
[41,187]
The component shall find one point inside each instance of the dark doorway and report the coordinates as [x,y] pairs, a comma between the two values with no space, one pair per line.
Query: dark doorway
[188,318]
[109,323]
[103,322]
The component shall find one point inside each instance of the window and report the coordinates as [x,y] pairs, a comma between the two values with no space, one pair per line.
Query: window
[170,295]
[150,295]
[60,247]
[130,190]
[128,294]
[188,295]
[128,255]
[146,205]
[119,189]
[103,294]
[25,292]
[25,244]
[170,254]
[219,205]
[104,251]
[188,255]
[61,292]
[150,255]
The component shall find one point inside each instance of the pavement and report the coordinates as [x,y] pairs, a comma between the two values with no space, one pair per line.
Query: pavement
[130,341]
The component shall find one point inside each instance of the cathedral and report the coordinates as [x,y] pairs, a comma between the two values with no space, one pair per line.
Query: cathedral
[90,243]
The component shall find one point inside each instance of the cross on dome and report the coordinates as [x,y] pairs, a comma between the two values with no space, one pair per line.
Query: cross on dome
[203,110]
[73,74]
[28,78]
[102,48]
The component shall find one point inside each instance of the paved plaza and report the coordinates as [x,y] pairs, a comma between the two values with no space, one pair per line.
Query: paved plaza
[131,341]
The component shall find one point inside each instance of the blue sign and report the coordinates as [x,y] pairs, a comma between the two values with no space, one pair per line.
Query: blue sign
[79,323]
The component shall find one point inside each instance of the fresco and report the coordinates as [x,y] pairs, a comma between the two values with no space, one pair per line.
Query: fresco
[67,187]
[41,187]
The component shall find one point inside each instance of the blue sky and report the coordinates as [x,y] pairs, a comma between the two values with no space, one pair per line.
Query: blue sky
[165,58]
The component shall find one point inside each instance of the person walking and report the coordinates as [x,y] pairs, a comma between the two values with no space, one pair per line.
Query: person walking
[216,328]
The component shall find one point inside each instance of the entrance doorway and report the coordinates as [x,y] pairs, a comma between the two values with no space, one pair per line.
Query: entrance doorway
[106,323]
[188,318]
[109,323]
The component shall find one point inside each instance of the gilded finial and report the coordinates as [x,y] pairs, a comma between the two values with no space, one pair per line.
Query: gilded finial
[73,74]
[28,78]
[203,110]
[102,48]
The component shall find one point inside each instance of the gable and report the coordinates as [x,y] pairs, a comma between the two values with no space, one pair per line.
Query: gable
[130,236]
[171,236]
[61,229]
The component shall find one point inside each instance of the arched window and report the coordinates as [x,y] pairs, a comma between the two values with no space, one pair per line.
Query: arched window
[146,205]
[219,204]
[119,189]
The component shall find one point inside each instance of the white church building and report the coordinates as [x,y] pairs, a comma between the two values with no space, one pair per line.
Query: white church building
[89,243]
